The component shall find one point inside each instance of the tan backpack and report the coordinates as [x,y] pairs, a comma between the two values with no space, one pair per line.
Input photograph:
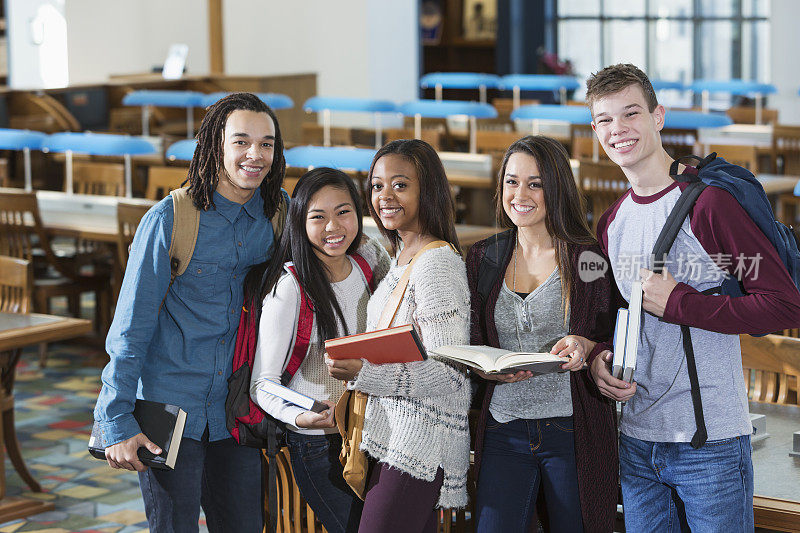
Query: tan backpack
[186,225]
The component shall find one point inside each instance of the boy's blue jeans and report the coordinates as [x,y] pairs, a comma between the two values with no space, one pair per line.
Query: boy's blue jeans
[222,476]
[670,486]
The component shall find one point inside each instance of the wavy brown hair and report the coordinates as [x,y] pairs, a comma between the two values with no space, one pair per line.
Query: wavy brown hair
[565,209]
[437,214]
[207,161]
[614,79]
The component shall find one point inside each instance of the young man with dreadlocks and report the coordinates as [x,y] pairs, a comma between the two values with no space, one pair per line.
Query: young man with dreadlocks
[174,343]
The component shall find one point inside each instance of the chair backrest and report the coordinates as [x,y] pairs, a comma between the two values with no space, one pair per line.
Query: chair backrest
[771,368]
[21,226]
[738,154]
[40,112]
[601,176]
[786,147]
[295,515]
[495,143]
[128,217]
[16,285]
[314,134]
[4,178]
[162,180]
[602,182]
[105,179]
[747,115]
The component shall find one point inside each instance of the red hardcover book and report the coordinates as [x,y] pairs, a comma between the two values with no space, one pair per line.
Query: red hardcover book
[400,344]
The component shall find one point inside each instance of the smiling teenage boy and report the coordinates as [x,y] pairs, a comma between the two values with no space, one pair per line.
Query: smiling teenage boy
[174,342]
[667,484]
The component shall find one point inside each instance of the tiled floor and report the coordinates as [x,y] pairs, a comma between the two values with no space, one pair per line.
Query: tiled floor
[53,420]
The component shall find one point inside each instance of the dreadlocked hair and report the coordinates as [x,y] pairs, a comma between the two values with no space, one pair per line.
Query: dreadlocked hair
[207,162]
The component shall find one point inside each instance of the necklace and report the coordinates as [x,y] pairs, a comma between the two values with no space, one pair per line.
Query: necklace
[525,318]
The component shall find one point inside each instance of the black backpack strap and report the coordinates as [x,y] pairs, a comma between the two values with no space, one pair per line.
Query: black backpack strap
[674,222]
[272,476]
[701,434]
[661,248]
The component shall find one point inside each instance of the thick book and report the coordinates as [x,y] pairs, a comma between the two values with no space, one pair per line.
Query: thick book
[292,396]
[626,336]
[620,338]
[400,344]
[162,423]
[498,361]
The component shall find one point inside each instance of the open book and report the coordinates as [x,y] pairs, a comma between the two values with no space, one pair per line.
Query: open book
[498,361]
[626,336]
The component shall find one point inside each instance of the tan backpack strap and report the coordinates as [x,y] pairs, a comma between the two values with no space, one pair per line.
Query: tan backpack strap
[185,226]
[279,218]
[390,309]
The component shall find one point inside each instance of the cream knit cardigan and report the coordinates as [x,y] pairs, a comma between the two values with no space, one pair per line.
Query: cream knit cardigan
[416,417]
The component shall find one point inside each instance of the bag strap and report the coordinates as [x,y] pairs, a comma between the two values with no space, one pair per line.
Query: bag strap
[661,248]
[272,477]
[674,222]
[390,309]
[278,220]
[185,226]
[305,321]
[365,268]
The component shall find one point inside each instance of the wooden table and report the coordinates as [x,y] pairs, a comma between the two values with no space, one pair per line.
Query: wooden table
[775,184]
[777,474]
[95,218]
[16,332]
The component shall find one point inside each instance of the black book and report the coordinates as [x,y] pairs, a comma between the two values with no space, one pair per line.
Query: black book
[162,423]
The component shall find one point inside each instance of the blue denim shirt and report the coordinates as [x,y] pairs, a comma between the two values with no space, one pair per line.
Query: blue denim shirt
[183,354]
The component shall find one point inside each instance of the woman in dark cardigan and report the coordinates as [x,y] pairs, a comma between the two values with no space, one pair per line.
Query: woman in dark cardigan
[535,172]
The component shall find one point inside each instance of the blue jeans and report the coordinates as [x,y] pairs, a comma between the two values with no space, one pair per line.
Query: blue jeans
[222,476]
[318,474]
[670,486]
[516,456]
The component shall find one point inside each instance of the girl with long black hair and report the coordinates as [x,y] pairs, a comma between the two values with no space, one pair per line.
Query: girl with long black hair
[322,236]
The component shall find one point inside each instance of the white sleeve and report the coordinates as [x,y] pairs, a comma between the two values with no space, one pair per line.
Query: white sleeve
[276,332]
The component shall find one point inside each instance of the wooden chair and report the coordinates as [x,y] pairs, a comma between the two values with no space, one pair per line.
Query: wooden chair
[39,111]
[128,217]
[602,182]
[296,516]
[786,149]
[495,143]
[679,142]
[162,180]
[5,180]
[771,368]
[16,285]
[738,154]
[16,288]
[22,235]
[747,115]
[312,133]
[105,179]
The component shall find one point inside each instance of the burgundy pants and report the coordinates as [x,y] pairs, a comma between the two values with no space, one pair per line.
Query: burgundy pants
[398,502]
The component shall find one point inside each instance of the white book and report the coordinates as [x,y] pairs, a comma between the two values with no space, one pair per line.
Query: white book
[620,339]
[292,396]
[634,326]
